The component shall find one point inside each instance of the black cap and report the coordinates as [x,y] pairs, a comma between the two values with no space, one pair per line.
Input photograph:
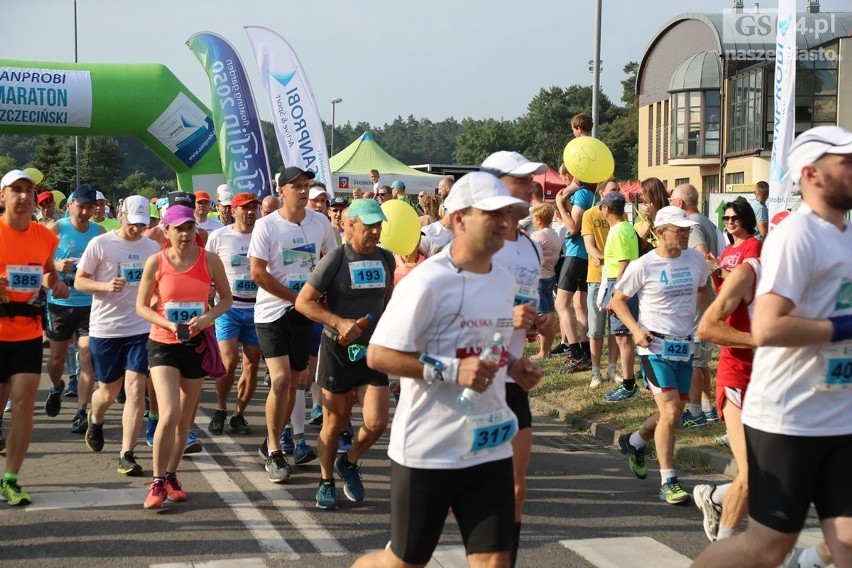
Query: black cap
[182,198]
[287,175]
[84,194]
[338,202]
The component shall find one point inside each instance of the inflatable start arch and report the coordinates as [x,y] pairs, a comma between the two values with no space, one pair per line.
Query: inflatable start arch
[142,100]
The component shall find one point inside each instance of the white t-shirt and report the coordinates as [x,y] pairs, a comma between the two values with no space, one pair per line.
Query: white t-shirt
[106,257]
[435,238]
[808,261]
[521,258]
[291,251]
[444,312]
[232,247]
[211,224]
[667,289]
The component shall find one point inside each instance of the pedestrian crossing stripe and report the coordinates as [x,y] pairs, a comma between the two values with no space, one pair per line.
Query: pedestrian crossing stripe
[635,551]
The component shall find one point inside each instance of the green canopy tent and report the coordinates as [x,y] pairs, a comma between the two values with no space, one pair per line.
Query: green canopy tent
[351,168]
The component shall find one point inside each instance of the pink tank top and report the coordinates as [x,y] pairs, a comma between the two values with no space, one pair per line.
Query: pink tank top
[181,296]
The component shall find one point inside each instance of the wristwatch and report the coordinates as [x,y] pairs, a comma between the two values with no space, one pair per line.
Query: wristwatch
[718,272]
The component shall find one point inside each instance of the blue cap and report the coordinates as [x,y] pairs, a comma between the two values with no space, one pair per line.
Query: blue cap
[85,194]
[367,210]
[398,184]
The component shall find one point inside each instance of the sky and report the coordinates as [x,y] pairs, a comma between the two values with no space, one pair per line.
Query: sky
[384,58]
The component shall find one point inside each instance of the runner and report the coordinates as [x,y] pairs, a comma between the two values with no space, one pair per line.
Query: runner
[355,279]
[111,269]
[26,264]
[439,457]
[181,276]
[235,327]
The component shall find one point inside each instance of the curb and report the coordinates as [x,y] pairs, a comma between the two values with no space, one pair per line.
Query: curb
[699,457]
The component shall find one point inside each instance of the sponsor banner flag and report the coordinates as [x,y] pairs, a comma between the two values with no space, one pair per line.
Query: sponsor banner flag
[184,129]
[244,160]
[45,97]
[295,116]
[785,107]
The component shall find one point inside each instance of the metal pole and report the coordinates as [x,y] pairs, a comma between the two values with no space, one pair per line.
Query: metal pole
[333,109]
[76,138]
[596,82]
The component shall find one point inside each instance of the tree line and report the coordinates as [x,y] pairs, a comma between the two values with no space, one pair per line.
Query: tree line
[124,166]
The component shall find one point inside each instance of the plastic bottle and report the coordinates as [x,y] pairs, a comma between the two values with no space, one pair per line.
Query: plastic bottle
[361,322]
[468,398]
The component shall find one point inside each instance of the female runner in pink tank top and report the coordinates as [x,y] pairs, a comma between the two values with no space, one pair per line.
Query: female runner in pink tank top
[180,275]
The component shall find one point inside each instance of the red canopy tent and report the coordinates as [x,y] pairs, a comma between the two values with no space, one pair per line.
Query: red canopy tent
[550,181]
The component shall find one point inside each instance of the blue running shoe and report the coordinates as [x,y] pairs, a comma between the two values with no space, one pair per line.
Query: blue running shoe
[53,402]
[712,415]
[621,393]
[353,488]
[316,416]
[345,442]
[286,441]
[71,391]
[193,445]
[326,495]
[690,421]
[150,429]
[303,453]
[673,493]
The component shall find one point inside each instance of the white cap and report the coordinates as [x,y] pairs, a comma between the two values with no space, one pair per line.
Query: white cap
[480,190]
[224,194]
[813,144]
[14,176]
[505,163]
[317,190]
[99,196]
[136,209]
[671,215]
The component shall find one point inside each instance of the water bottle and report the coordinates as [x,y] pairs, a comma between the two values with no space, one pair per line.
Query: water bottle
[361,322]
[467,400]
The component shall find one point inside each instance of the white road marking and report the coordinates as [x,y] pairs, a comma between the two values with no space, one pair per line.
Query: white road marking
[89,498]
[228,563]
[636,552]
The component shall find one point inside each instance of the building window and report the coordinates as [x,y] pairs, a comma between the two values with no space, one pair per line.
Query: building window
[695,119]
[666,116]
[734,178]
[650,135]
[681,181]
[710,184]
[745,112]
[658,136]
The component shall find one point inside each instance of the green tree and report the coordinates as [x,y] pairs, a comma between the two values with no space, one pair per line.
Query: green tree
[7,163]
[55,158]
[479,138]
[101,162]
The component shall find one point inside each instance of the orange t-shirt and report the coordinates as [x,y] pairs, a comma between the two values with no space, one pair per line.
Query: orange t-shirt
[181,296]
[23,255]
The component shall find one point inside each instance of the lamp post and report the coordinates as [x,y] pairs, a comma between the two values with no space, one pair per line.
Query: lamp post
[334,102]
[76,138]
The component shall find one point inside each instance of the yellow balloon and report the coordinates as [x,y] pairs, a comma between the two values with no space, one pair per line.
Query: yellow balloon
[36,174]
[401,231]
[588,159]
[58,196]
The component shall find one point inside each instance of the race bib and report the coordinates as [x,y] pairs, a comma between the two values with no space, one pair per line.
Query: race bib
[296,282]
[676,350]
[485,433]
[367,274]
[526,294]
[837,373]
[182,312]
[23,278]
[245,286]
[131,271]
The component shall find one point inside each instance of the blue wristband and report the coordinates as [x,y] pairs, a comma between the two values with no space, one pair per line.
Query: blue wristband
[841,328]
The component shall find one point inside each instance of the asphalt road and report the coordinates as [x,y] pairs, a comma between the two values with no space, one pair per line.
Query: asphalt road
[583,509]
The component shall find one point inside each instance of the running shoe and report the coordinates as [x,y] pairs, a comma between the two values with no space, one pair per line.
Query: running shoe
[150,430]
[277,467]
[621,393]
[723,440]
[635,458]
[353,488]
[237,424]
[560,349]
[263,450]
[217,422]
[690,421]
[121,398]
[577,364]
[12,492]
[702,496]
[286,440]
[94,435]
[711,415]
[267,381]
[315,418]
[174,492]
[53,402]
[80,422]
[326,495]
[127,465]
[344,444]
[71,391]
[395,388]
[8,405]
[596,380]
[193,445]
[672,493]
[614,376]
[156,495]
[793,557]
[303,453]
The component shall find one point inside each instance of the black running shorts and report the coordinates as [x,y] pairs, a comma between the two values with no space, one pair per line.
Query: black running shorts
[519,402]
[289,335]
[573,275]
[20,357]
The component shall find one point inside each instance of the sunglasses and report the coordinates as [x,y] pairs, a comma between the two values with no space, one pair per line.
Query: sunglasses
[731,218]
[385,194]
